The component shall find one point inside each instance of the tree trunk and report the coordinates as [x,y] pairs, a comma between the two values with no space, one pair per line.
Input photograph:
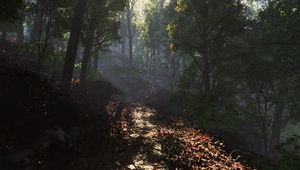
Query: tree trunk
[277,118]
[265,139]
[43,47]
[130,37]
[87,54]
[173,72]
[130,49]
[123,47]
[123,29]
[38,23]
[20,36]
[73,44]
[85,61]
[4,35]
[96,59]
[276,128]
[148,64]
[206,76]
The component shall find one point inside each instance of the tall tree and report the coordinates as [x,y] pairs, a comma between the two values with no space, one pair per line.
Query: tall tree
[276,44]
[201,28]
[101,28]
[73,43]
[129,13]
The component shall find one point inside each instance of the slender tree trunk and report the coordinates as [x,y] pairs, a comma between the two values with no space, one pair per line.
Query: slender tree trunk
[277,119]
[123,35]
[130,50]
[206,76]
[130,37]
[85,61]
[87,54]
[147,65]
[73,44]
[20,36]
[276,129]
[96,59]
[44,48]
[173,72]
[265,140]
[123,46]
[38,23]
[4,35]
[39,41]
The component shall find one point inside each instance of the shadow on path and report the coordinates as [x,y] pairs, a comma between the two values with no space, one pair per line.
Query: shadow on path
[143,140]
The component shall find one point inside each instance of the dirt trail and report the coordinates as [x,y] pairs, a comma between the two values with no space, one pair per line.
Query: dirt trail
[145,128]
[145,139]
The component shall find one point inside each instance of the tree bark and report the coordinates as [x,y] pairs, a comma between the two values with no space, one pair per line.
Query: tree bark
[130,52]
[38,22]
[206,76]
[73,44]
[20,36]
[96,59]
[123,35]
[276,128]
[277,118]
[85,60]
[129,31]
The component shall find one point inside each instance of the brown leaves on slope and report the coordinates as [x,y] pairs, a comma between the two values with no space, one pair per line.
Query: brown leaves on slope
[187,148]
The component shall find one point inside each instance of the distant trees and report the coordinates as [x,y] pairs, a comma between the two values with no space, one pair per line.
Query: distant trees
[271,69]
[101,28]
[155,38]
[50,22]
[128,26]
[246,65]
[156,56]
[205,34]
[202,29]
[54,29]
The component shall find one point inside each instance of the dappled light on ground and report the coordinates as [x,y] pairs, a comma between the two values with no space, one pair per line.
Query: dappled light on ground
[143,127]
[152,142]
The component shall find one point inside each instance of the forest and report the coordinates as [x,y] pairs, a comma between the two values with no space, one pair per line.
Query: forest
[149,84]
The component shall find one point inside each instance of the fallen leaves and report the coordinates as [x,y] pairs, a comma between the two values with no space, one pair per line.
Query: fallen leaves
[190,149]
[184,147]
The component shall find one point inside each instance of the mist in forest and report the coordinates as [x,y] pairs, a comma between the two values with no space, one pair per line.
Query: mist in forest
[149,84]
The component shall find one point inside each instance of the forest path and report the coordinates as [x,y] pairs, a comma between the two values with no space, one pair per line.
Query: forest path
[146,139]
[146,129]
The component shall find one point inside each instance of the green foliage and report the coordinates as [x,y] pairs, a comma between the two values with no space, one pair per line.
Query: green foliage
[129,72]
[207,110]
[103,16]
[198,23]
[286,162]
[10,10]
[77,69]
[207,27]
[289,161]
[94,75]
[271,65]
